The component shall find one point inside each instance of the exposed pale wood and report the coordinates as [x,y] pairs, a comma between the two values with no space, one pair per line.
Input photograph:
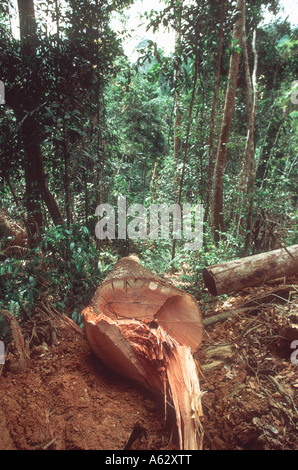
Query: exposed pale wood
[152,358]
[132,291]
[145,329]
[255,270]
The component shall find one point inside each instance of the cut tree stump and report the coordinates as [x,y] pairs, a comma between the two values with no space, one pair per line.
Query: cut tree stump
[143,328]
[251,271]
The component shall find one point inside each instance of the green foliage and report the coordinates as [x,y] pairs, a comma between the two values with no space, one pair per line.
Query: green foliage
[137,114]
[106,128]
[65,265]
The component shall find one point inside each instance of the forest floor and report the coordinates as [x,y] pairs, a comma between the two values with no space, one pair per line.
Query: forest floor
[66,399]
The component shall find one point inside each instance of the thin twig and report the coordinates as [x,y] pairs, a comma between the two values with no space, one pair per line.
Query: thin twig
[46,446]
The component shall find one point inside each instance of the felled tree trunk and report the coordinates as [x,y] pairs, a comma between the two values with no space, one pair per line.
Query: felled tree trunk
[144,328]
[251,271]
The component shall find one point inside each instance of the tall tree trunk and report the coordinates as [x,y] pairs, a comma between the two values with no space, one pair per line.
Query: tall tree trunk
[27,25]
[213,110]
[250,145]
[33,205]
[193,94]
[247,177]
[34,165]
[101,121]
[221,157]
[67,189]
[101,142]
[85,176]
[177,111]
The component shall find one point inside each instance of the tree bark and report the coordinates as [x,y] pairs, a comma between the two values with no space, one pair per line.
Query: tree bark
[67,188]
[27,25]
[26,114]
[250,145]
[34,223]
[177,112]
[213,111]
[221,157]
[143,328]
[193,94]
[35,164]
[256,270]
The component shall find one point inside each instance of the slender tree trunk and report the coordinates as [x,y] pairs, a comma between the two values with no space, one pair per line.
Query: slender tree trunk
[57,11]
[213,111]
[32,198]
[186,144]
[34,165]
[101,143]
[27,25]
[85,173]
[221,157]
[249,147]
[33,206]
[67,189]
[177,111]
[247,179]
[252,167]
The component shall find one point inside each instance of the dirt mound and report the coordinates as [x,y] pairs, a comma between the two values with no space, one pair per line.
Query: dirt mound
[66,399]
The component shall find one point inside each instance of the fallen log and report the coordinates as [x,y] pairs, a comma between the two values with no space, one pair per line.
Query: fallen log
[144,328]
[251,271]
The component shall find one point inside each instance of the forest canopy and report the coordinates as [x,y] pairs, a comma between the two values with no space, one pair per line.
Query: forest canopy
[212,124]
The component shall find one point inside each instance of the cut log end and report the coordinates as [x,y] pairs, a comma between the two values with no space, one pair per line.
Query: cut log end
[235,275]
[209,281]
[145,329]
[149,299]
